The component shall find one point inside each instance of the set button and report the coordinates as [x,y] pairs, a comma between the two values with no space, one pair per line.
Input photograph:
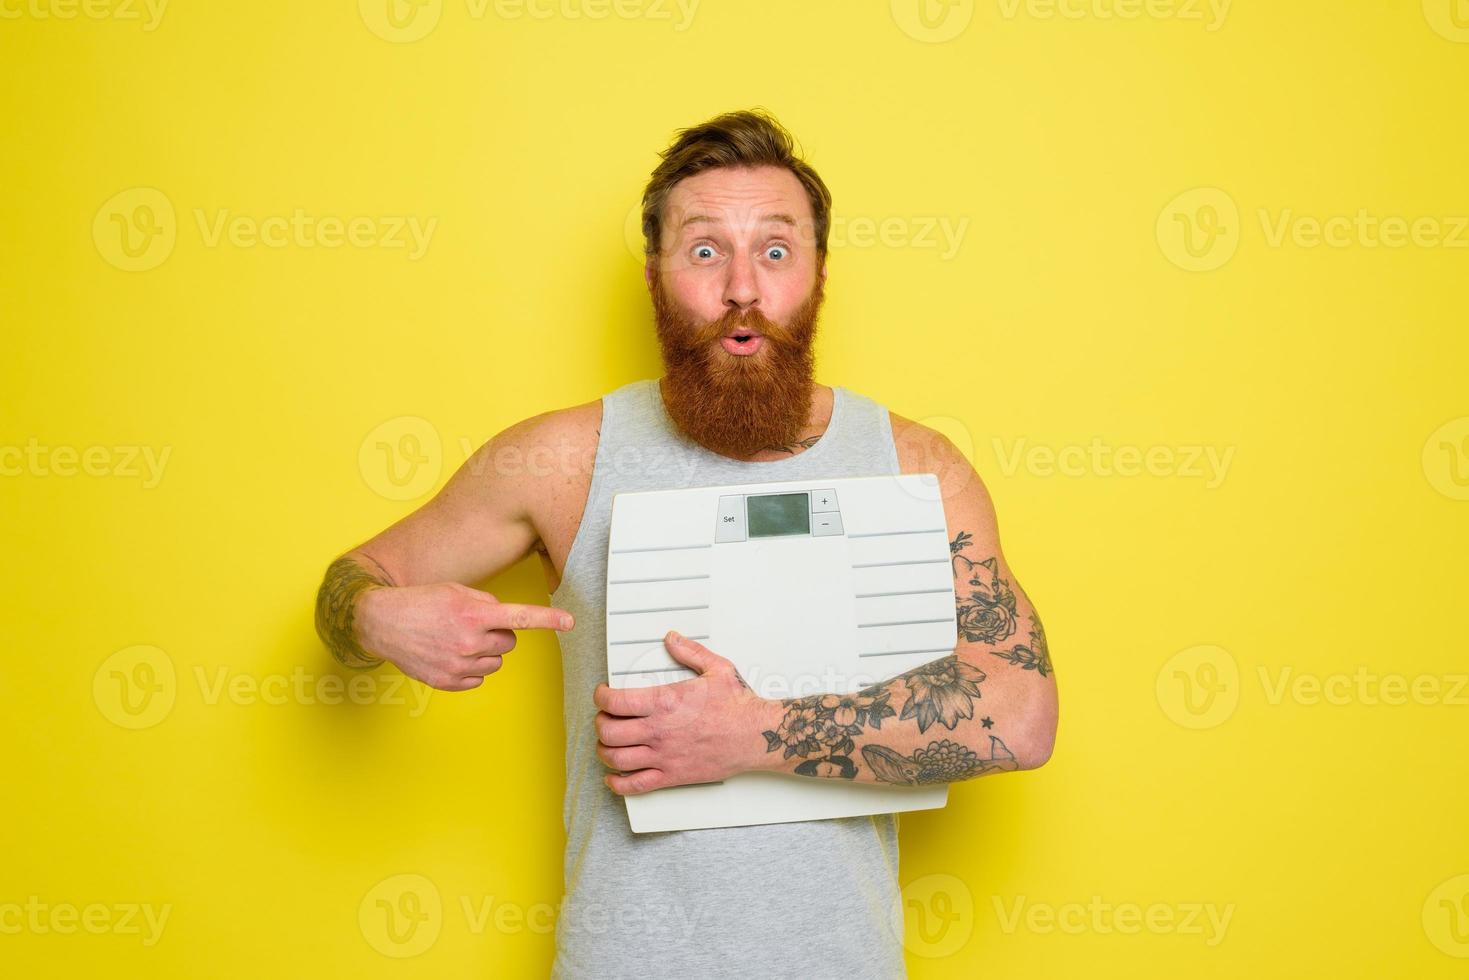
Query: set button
[730,524]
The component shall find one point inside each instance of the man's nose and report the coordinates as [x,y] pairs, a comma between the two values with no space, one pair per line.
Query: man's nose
[740,289]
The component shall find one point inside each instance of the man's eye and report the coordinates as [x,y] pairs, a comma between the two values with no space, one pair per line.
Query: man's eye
[703,251]
[776,251]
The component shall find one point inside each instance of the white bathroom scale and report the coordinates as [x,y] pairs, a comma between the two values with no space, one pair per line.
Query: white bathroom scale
[807,587]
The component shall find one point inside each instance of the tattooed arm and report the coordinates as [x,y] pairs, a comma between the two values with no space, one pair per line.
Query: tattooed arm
[990,706]
[336,607]
[404,596]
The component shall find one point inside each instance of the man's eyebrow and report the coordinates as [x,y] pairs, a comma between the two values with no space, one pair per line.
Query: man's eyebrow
[779,218]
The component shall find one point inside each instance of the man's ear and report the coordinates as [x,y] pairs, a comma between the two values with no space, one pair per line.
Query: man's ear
[650,270]
[822,272]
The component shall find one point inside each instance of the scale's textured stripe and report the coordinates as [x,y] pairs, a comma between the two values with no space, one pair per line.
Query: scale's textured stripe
[884,534]
[816,898]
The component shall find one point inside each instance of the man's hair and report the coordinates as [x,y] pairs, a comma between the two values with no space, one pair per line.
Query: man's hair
[746,138]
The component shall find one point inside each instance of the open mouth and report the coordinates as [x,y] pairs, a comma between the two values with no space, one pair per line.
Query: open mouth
[742,342]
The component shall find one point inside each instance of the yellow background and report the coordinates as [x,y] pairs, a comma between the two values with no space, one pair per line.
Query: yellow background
[1332,834]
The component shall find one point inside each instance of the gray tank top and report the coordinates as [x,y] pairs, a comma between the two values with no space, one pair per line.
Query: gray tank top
[813,898]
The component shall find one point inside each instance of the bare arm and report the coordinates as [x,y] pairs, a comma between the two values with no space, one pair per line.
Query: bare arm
[403,595]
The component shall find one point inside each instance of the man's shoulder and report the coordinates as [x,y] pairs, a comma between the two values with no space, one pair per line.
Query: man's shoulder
[573,421]
[928,448]
[579,424]
[570,425]
[914,436]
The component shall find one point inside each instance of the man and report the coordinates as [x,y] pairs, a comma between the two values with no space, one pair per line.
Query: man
[736,229]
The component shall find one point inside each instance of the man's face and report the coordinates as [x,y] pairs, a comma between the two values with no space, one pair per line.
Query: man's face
[736,296]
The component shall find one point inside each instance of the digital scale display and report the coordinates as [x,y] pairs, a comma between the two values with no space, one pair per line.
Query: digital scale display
[785,514]
[773,514]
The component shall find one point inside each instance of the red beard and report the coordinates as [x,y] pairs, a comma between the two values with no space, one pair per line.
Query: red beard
[731,404]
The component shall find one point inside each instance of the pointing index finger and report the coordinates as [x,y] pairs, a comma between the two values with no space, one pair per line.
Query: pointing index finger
[524,616]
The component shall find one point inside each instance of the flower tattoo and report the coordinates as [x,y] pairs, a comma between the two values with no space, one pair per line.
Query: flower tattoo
[819,729]
[942,762]
[987,613]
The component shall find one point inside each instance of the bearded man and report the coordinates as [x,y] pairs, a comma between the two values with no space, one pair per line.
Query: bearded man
[736,228]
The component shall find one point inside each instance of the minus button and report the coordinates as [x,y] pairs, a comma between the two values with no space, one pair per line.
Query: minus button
[824,524]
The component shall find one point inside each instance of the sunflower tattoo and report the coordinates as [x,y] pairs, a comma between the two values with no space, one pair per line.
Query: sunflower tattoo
[943,691]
